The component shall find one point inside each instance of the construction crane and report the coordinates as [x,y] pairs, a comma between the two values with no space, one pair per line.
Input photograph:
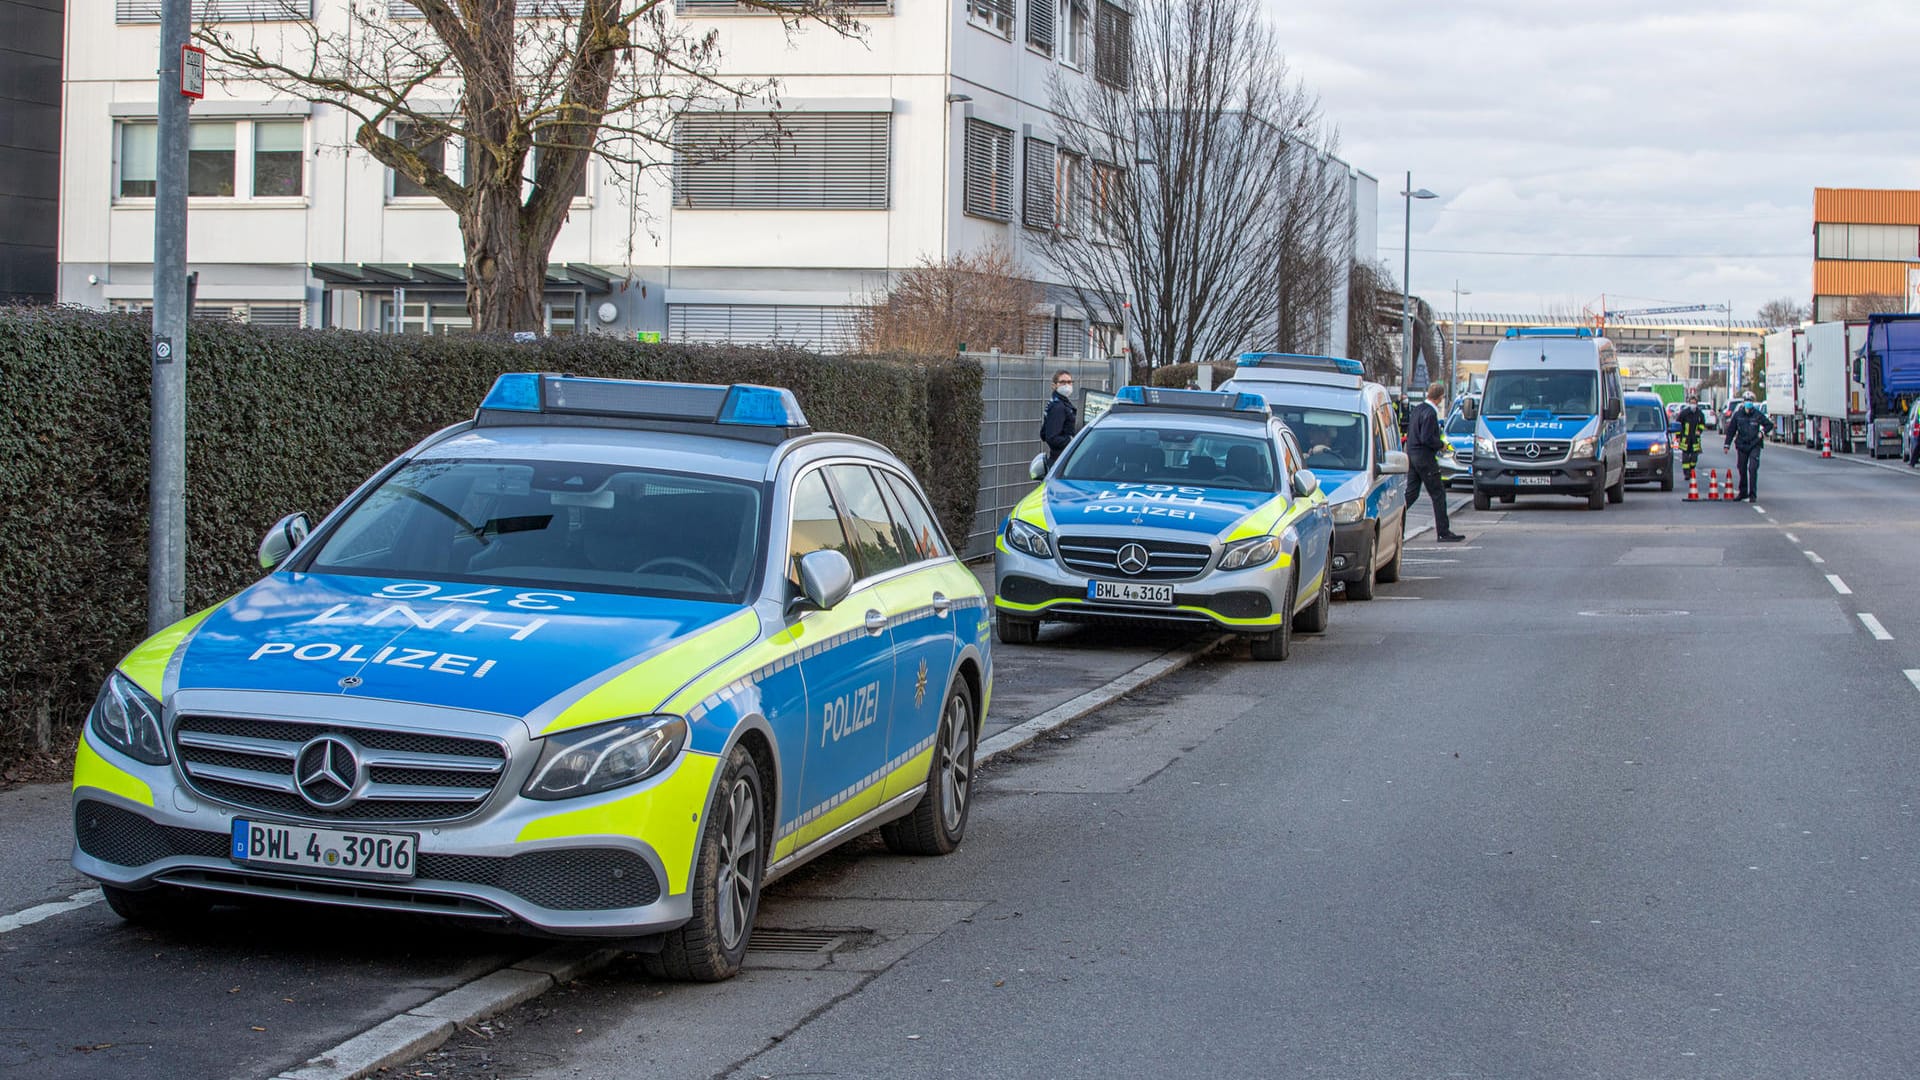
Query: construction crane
[1675,310]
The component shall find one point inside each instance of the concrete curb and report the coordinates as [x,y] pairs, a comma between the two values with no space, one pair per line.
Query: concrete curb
[1452,509]
[1902,467]
[426,1026]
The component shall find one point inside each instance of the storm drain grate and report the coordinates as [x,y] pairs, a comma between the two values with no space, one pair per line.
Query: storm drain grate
[769,939]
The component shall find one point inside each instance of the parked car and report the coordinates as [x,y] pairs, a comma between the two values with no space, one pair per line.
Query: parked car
[1910,436]
[1649,450]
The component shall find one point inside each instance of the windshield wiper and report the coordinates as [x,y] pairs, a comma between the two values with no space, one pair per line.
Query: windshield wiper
[482,531]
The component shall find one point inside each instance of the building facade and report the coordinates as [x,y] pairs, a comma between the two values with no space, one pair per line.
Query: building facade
[30,47]
[1864,243]
[1652,348]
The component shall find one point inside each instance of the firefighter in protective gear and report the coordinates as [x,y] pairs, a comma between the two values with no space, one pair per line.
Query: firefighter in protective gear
[1693,423]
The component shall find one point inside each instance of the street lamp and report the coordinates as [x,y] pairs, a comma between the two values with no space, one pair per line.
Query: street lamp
[1454,329]
[1406,288]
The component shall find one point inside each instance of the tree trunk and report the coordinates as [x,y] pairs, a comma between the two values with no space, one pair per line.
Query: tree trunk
[506,274]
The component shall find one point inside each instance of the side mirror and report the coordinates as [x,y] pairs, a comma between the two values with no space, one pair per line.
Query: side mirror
[287,534]
[1610,411]
[826,577]
[1394,464]
[1470,409]
[1037,468]
[1305,483]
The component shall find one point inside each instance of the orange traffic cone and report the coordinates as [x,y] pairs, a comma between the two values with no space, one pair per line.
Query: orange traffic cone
[1693,487]
[1826,447]
[1713,485]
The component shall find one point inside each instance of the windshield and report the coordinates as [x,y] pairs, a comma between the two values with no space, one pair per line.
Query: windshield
[1563,393]
[1646,418]
[1332,439]
[1458,424]
[600,528]
[1172,456]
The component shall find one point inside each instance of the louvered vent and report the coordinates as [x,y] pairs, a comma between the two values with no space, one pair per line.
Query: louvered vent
[781,161]
[1040,24]
[1037,200]
[1113,46]
[989,178]
[212,11]
[822,329]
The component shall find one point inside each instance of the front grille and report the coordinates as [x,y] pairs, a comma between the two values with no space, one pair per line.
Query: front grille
[1515,450]
[124,838]
[397,775]
[1166,560]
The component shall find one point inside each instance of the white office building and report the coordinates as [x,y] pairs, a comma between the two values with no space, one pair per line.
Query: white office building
[928,137]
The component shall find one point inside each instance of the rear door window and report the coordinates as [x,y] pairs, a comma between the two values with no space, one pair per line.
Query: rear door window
[913,523]
[873,536]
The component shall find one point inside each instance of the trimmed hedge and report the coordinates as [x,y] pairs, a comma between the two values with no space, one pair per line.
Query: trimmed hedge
[1178,375]
[284,420]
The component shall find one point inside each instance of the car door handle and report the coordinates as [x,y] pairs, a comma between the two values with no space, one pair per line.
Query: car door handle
[876,622]
[941,603]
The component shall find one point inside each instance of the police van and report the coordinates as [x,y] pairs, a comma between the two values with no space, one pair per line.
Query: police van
[1347,429]
[599,662]
[1551,420]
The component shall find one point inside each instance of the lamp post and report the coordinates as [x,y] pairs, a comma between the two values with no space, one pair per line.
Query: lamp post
[1406,287]
[1453,328]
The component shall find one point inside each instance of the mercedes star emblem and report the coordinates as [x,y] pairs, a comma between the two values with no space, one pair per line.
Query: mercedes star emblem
[350,682]
[1533,449]
[1131,559]
[326,771]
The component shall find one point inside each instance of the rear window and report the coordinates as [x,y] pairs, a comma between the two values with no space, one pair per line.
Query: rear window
[1646,418]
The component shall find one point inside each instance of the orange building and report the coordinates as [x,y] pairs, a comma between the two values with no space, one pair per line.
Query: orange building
[1864,242]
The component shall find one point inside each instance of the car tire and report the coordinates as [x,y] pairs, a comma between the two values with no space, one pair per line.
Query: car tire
[727,872]
[1482,500]
[1597,498]
[158,907]
[939,820]
[1618,492]
[1315,618]
[1390,573]
[1012,631]
[1666,479]
[1361,588]
[1279,644]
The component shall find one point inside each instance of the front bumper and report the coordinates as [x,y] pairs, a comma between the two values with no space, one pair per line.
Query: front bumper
[1562,478]
[1353,547]
[1243,601]
[548,868]
[1642,467]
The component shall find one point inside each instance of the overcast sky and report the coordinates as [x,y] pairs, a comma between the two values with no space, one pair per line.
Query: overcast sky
[1676,127]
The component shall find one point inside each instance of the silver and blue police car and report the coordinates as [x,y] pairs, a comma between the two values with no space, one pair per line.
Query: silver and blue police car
[1177,507]
[599,662]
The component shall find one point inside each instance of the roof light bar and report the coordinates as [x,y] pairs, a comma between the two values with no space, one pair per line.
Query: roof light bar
[1191,400]
[1550,331]
[742,404]
[1304,361]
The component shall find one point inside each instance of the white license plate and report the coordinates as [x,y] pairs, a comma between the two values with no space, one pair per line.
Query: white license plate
[1127,592]
[1541,480]
[336,851]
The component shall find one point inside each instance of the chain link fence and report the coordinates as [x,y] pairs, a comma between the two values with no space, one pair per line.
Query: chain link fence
[1016,389]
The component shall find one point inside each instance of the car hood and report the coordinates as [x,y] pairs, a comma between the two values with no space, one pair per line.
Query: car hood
[1342,485]
[1200,510]
[458,645]
[1640,440]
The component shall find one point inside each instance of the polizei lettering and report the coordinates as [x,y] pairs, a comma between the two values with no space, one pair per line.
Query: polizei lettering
[1149,500]
[388,656]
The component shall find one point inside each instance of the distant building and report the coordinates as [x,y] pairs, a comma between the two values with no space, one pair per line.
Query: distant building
[29,149]
[1864,242]
[1652,348]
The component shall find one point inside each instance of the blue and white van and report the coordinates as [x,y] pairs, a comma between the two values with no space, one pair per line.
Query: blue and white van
[1551,420]
[1347,429]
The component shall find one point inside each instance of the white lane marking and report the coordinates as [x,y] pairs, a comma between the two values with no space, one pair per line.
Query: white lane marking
[1411,559]
[1812,556]
[1378,597]
[1419,577]
[1873,627]
[1838,585]
[47,911]
[1913,676]
[1792,538]
[1759,509]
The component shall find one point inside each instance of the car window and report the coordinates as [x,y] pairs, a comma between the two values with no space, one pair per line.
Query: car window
[1172,455]
[873,537]
[918,534]
[1646,418]
[584,526]
[1332,438]
[1458,424]
[816,523]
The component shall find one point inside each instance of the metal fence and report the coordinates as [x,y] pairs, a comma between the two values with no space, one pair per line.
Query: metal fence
[1016,391]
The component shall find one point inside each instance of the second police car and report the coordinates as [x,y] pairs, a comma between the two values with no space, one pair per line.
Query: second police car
[1177,507]
[599,662]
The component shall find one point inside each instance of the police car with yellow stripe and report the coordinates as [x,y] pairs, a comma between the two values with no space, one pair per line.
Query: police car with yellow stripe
[599,662]
[1177,507]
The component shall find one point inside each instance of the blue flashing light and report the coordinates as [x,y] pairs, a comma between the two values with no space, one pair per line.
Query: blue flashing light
[1223,400]
[761,406]
[1132,395]
[516,391]
[1550,331]
[1338,364]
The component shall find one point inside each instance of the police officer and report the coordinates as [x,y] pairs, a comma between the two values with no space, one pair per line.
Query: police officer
[1693,425]
[1061,419]
[1747,431]
[1424,443]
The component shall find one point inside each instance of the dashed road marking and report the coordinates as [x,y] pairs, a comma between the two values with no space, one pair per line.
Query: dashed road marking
[1759,509]
[47,911]
[1812,556]
[1913,676]
[1873,627]
[1838,585]
[1792,538]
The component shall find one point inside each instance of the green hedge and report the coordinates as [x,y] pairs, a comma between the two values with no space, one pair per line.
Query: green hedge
[1178,375]
[283,420]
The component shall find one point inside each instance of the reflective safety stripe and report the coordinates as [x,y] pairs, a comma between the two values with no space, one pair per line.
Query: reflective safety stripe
[90,770]
[1148,610]
[846,807]
[665,815]
[146,665]
[1264,520]
[643,687]
[1033,508]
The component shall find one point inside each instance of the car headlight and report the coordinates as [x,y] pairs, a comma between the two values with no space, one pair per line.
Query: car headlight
[1031,539]
[1483,446]
[127,718]
[1346,513]
[604,756]
[1658,449]
[1244,553]
[1583,447]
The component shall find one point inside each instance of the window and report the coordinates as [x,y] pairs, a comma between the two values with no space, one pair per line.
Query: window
[139,157]
[522,9]
[1171,456]
[278,158]
[1037,200]
[785,161]
[1113,47]
[210,159]
[994,15]
[1040,24]
[212,11]
[821,329]
[1069,200]
[735,7]
[1878,243]
[816,523]
[913,522]
[1334,439]
[1104,201]
[1075,24]
[989,171]
[873,537]
[431,145]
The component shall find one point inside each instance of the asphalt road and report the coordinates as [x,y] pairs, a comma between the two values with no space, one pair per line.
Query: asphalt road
[1618,794]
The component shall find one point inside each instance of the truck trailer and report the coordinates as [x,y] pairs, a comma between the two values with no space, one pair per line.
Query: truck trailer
[1833,400]
[1783,385]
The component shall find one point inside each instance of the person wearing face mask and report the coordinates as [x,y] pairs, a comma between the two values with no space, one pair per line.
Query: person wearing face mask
[1061,419]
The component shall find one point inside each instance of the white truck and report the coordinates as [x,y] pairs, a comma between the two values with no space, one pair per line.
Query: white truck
[1783,384]
[1832,399]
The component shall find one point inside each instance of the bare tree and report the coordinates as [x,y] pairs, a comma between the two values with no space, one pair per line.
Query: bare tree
[976,301]
[518,83]
[1859,307]
[1784,311]
[1205,169]
[1373,298]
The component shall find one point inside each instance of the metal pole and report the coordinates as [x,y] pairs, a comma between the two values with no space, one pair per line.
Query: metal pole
[166,489]
[1406,286]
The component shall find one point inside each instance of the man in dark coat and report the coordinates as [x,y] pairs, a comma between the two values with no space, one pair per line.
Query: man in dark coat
[1747,431]
[1425,440]
[1061,419]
